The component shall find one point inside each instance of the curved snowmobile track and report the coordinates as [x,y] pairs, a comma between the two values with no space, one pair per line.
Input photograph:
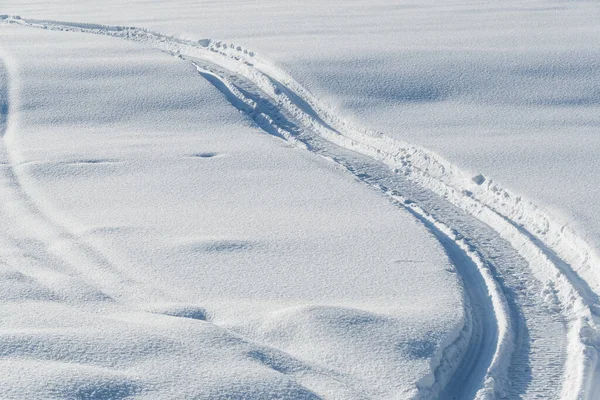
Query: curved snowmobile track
[530,284]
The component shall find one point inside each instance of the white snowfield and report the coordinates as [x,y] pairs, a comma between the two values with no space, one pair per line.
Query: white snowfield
[156,243]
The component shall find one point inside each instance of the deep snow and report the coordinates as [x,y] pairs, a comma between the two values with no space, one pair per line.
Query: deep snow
[507,90]
[150,206]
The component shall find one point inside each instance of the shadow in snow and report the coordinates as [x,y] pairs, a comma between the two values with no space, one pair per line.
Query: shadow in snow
[4,101]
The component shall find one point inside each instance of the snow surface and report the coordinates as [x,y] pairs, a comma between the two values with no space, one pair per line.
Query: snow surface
[507,92]
[165,247]
[508,89]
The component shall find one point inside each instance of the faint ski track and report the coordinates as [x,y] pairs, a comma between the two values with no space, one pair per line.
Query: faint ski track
[67,254]
[539,275]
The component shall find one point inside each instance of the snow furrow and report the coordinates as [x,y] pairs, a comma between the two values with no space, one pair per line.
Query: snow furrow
[541,276]
[452,380]
[461,367]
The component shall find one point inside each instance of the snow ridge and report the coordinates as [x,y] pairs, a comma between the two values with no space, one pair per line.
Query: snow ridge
[556,255]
